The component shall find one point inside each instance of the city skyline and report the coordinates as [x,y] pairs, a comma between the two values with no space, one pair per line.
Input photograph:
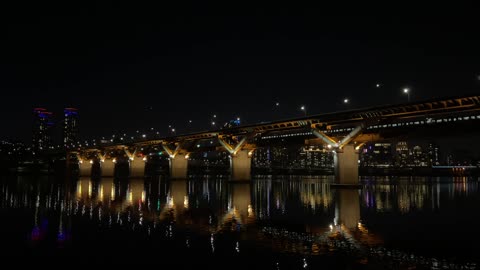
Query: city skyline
[259,64]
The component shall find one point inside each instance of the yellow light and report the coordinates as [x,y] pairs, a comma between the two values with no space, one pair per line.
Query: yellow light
[91,161]
[185,201]
[114,160]
[144,158]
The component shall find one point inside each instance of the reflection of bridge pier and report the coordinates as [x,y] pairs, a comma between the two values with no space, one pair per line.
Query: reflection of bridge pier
[240,202]
[106,190]
[348,208]
[84,188]
[178,194]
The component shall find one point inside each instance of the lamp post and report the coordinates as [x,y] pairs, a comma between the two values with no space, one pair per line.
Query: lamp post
[304,109]
[407,91]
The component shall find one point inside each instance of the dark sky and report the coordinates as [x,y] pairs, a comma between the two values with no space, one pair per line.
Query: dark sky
[135,67]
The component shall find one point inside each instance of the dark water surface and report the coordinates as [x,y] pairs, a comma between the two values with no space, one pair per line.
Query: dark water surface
[291,222]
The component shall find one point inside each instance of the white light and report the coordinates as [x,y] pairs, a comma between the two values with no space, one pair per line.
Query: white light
[190,121]
[302,108]
[213,123]
[406,90]
[377,85]
[345,100]
[238,118]
[143,135]
[173,130]
[277,104]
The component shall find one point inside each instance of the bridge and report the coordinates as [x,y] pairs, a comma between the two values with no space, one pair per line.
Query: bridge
[343,133]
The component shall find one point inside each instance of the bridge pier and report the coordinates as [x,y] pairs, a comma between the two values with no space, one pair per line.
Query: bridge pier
[241,165]
[85,168]
[137,167]
[346,165]
[107,167]
[178,166]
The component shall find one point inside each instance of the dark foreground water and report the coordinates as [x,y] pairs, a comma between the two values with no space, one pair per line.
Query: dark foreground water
[271,223]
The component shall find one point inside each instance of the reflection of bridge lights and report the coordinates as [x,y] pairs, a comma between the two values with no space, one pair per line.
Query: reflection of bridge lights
[185,202]
[331,227]
[114,160]
[250,210]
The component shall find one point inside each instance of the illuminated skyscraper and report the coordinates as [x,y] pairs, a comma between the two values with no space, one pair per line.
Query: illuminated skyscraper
[42,130]
[70,127]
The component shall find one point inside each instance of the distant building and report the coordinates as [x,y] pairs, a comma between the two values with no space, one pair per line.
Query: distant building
[433,154]
[377,155]
[401,154]
[42,130]
[419,158]
[70,127]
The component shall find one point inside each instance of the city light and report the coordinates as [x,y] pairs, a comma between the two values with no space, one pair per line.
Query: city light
[407,91]
[346,101]
[304,109]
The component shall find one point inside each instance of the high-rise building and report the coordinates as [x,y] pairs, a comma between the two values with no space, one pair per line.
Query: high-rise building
[42,130]
[433,154]
[70,127]
[401,154]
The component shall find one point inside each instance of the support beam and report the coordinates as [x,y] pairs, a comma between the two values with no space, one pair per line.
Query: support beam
[137,167]
[352,135]
[178,166]
[241,165]
[85,167]
[346,165]
[325,138]
[232,149]
[107,167]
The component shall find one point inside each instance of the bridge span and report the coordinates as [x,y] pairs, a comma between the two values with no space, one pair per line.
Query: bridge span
[344,133]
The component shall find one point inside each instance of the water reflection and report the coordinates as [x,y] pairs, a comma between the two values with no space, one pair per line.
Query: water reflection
[295,215]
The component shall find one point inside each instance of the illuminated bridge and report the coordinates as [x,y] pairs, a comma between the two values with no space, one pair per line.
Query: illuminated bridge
[344,133]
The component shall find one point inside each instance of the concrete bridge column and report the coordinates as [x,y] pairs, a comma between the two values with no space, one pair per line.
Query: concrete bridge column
[137,167]
[346,165]
[241,165]
[178,166]
[107,167]
[85,167]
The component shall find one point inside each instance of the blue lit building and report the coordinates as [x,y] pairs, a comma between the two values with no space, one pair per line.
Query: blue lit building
[42,130]
[70,127]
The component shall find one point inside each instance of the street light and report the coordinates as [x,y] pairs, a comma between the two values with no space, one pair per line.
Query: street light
[346,101]
[407,91]
[304,109]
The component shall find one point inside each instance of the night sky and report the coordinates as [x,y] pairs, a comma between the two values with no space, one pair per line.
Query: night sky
[136,67]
